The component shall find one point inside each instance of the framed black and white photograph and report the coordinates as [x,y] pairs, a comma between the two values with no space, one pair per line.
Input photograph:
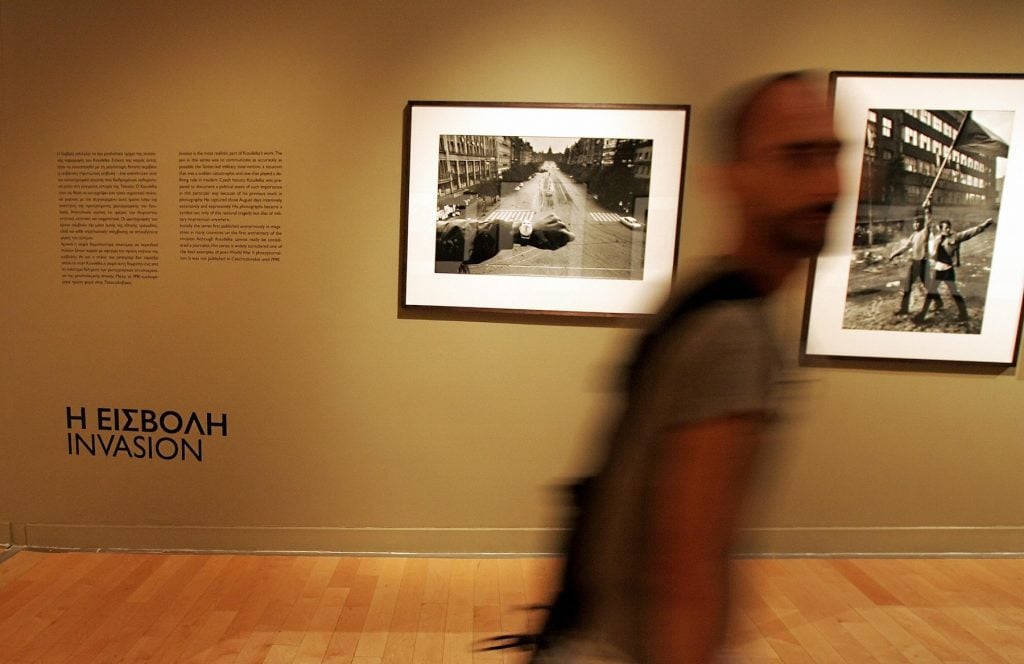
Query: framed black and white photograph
[542,208]
[925,258]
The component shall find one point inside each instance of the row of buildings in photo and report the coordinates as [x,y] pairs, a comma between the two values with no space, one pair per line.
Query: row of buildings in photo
[465,161]
[906,149]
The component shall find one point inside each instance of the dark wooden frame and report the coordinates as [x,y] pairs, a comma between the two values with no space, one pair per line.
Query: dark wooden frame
[423,288]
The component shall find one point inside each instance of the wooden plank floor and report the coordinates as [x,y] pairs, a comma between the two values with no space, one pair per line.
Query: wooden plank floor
[89,608]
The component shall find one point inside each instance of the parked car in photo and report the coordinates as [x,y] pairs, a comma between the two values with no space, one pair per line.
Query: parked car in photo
[631,222]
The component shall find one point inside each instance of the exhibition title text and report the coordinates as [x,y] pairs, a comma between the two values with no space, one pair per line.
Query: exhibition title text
[141,433]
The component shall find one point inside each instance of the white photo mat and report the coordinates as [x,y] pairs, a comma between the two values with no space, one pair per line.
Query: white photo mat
[855,94]
[666,126]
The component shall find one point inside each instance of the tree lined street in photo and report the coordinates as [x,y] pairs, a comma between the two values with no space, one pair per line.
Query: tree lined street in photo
[604,248]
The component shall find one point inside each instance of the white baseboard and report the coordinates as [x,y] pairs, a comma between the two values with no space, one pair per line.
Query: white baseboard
[794,541]
[363,541]
[883,540]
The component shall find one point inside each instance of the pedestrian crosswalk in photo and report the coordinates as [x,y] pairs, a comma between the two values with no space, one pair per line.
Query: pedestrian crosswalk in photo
[527,215]
[510,215]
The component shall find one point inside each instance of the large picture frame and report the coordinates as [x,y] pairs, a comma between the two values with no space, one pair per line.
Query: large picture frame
[925,257]
[542,208]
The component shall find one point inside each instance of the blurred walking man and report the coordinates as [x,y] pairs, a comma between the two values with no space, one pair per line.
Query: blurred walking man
[647,569]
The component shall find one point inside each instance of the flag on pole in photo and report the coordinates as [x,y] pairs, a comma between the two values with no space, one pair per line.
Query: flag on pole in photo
[975,139]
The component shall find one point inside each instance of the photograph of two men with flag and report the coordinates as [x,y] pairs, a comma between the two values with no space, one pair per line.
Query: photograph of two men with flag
[931,185]
[925,258]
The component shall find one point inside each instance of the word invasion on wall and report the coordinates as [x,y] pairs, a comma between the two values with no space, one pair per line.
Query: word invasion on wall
[141,433]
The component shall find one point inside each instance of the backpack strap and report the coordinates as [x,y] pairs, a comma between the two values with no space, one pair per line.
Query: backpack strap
[728,286]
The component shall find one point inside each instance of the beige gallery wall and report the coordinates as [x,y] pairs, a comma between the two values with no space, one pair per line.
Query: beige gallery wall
[355,426]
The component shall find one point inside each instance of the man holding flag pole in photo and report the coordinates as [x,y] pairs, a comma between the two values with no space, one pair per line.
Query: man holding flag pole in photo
[944,246]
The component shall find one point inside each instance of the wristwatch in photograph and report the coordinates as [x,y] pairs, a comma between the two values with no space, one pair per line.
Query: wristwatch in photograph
[523,233]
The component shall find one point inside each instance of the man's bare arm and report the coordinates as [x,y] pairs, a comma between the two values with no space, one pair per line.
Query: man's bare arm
[701,483]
